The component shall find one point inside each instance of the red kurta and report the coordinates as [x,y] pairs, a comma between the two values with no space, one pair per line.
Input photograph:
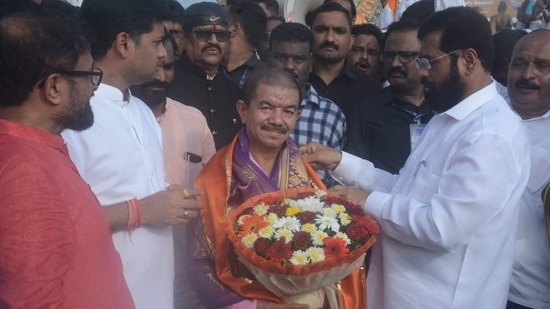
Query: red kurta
[56,249]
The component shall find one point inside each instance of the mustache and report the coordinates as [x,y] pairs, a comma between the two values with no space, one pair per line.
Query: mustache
[270,127]
[398,71]
[363,63]
[329,44]
[216,46]
[156,84]
[526,84]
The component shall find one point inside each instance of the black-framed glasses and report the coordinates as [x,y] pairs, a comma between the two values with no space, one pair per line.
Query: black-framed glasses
[402,56]
[95,75]
[424,63]
[205,35]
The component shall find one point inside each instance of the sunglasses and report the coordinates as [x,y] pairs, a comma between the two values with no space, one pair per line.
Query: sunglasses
[205,35]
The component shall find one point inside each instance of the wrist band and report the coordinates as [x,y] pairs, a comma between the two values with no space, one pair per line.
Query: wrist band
[135,217]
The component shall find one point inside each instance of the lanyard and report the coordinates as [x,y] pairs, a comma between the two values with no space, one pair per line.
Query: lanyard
[416,116]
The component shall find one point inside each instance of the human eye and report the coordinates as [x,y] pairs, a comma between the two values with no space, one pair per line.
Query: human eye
[543,65]
[373,52]
[357,49]
[320,29]
[300,59]
[340,30]
[290,111]
[518,63]
[407,56]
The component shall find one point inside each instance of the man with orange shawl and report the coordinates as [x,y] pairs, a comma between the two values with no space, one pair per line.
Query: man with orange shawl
[262,158]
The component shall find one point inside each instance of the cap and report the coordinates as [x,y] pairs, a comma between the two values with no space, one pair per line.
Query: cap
[204,13]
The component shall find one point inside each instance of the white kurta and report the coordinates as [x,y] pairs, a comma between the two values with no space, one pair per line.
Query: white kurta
[531,274]
[449,219]
[121,157]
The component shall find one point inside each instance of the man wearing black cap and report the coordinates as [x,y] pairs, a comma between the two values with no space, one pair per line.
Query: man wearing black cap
[197,80]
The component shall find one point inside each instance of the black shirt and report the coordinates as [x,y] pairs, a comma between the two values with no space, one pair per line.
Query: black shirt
[215,98]
[346,89]
[379,129]
[240,74]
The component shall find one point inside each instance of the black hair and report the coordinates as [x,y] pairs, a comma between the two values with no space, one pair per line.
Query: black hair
[276,17]
[369,29]
[13,6]
[504,42]
[252,19]
[291,32]
[271,5]
[110,17]
[59,8]
[400,26]
[461,28]
[326,8]
[176,12]
[272,77]
[35,45]
[419,11]
[352,4]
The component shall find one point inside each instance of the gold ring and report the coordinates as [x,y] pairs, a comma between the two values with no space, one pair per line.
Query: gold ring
[185,213]
[186,193]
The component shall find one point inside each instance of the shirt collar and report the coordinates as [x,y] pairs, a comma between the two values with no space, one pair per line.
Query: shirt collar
[110,93]
[473,102]
[33,135]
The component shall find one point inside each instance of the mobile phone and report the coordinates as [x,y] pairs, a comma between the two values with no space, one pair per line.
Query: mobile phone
[191,157]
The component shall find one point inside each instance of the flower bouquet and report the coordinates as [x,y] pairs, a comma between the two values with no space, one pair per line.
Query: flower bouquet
[299,242]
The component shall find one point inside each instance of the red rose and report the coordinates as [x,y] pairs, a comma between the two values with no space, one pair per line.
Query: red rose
[357,231]
[301,240]
[369,224]
[279,210]
[279,251]
[305,217]
[261,245]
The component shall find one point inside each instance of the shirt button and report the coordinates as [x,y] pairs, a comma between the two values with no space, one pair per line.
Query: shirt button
[212,110]
[210,88]
[214,132]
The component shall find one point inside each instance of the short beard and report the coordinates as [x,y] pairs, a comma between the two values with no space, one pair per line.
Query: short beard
[78,115]
[447,94]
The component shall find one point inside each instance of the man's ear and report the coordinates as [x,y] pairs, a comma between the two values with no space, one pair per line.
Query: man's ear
[470,60]
[242,109]
[52,88]
[122,44]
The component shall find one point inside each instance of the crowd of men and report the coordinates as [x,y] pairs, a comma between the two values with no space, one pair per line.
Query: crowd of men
[129,129]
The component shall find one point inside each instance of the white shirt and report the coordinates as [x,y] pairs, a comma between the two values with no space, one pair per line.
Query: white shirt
[449,219]
[120,156]
[531,274]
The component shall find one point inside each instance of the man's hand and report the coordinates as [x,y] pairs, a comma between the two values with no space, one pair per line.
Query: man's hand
[176,205]
[320,156]
[264,304]
[350,194]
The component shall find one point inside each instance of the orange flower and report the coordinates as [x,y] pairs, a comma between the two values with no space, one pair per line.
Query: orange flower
[252,224]
[335,247]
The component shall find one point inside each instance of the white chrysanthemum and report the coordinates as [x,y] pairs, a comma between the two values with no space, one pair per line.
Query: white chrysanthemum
[344,237]
[271,218]
[327,222]
[345,219]
[318,238]
[299,258]
[287,201]
[309,227]
[241,219]
[315,254]
[284,233]
[338,208]
[266,232]
[289,223]
[249,239]
[261,209]
[310,203]
[320,193]
[329,212]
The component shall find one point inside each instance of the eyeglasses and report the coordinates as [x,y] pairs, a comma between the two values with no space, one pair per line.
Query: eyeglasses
[402,56]
[424,63]
[95,75]
[205,35]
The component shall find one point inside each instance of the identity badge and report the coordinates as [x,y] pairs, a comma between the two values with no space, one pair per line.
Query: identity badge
[416,131]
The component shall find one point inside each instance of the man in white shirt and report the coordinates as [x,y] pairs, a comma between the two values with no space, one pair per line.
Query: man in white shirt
[121,156]
[449,218]
[529,88]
